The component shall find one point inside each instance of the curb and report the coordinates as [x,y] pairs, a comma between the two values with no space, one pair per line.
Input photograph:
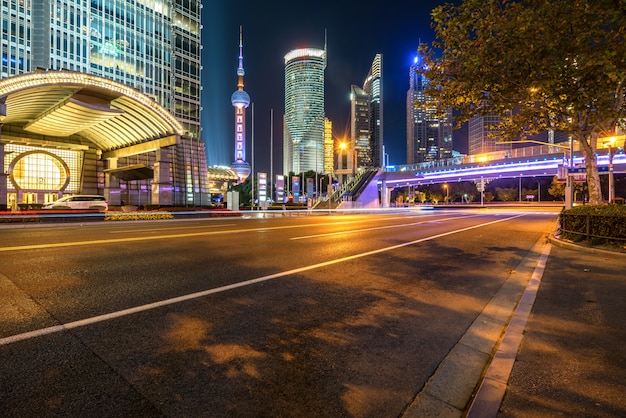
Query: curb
[488,399]
[448,392]
[573,246]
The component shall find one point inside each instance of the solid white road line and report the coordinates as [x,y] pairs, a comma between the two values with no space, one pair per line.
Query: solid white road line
[166,302]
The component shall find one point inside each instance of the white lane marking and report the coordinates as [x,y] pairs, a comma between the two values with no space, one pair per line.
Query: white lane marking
[352,231]
[157,237]
[166,302]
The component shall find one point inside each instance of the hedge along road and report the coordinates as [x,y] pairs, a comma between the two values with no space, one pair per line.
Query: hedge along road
[350,317]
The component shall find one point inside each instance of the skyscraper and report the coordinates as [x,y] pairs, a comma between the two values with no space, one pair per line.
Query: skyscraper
[303,125]
[429,135]
[482,135]
[150,52]
[373,86]
[155,48]
[366,118]
[360,133]
[329,146]
[240,100]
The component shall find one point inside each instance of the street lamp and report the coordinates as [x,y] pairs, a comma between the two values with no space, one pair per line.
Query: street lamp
[610,143]
[445,186]
[343,146]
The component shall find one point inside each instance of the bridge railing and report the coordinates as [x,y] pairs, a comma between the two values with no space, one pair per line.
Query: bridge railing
[523,152]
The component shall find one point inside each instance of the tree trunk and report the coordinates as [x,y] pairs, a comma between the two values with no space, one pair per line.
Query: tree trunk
[591,166]
[593,180]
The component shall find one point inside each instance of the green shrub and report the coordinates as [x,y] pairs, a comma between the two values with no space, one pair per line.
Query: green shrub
[137,216]
[604,224]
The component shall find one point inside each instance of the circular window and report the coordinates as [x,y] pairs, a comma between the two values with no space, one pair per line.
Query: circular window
[39,170]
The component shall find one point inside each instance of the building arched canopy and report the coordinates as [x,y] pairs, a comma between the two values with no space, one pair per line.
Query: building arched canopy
[108,114]
[100,119]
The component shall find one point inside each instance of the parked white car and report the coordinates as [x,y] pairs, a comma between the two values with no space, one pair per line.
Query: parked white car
[79,202]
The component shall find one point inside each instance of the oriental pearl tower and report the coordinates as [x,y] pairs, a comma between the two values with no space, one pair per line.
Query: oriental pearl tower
[240,100]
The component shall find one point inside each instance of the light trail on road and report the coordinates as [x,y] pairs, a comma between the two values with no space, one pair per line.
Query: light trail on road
[184,235]
[196,295]
[353,231]
[176,228]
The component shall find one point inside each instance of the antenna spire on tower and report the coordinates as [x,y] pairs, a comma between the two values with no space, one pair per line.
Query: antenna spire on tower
[240,70]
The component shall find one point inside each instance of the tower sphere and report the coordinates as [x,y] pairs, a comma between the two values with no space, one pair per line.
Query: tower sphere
[241,169]
[240,99]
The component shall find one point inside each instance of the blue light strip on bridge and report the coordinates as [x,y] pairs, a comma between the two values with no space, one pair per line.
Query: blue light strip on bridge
[498,170]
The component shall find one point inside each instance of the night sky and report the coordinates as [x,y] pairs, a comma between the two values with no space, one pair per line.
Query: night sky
[356,32]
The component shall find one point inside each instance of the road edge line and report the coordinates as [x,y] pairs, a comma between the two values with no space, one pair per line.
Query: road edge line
[491,391]
[450,388]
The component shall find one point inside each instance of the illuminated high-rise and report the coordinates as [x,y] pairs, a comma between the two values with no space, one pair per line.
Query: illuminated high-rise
[482,135]
[366,118]
[240,101]
[373,86]
[151,45]
[303,126]
[429,135]
[149,49]
[360,126]
[329,146]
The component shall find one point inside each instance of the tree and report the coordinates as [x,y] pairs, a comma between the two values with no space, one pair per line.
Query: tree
[465,191]
[556,189]
[245,191]
[436,197]
[507,194]
[537,64]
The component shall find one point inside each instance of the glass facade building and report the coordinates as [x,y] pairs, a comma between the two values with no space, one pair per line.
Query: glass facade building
[429,135]
[150,46]
[329,146]
[366,118]
[360,126]
[303,125]
[482,135]
[373,86]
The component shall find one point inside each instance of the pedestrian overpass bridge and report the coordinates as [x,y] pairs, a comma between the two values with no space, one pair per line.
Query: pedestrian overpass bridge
[532,162]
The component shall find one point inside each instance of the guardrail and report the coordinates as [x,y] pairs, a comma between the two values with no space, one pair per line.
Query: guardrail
[593,228]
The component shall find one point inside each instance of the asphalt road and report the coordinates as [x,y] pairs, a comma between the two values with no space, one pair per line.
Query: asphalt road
[292,316]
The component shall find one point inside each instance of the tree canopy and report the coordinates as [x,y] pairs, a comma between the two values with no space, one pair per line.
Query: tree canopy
[539,65]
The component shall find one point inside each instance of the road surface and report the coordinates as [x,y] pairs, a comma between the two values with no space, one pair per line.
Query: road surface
[291,316]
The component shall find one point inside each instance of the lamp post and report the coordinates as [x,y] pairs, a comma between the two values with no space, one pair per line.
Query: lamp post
[611,144]
[445,186]
[343,146]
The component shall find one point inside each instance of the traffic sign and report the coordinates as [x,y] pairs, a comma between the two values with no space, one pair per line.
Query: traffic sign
[582,170]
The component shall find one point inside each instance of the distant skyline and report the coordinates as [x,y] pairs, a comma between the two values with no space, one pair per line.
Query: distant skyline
[273,28]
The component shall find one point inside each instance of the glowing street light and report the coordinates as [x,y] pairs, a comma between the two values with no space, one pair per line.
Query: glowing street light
[611,144]
[343,148]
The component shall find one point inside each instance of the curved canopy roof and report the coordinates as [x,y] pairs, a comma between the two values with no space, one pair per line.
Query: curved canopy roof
[109,114]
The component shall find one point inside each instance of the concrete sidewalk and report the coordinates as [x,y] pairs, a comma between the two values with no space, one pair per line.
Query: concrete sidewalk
[571,356]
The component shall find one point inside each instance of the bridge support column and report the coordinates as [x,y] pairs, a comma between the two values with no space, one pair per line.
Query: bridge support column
[384,194]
